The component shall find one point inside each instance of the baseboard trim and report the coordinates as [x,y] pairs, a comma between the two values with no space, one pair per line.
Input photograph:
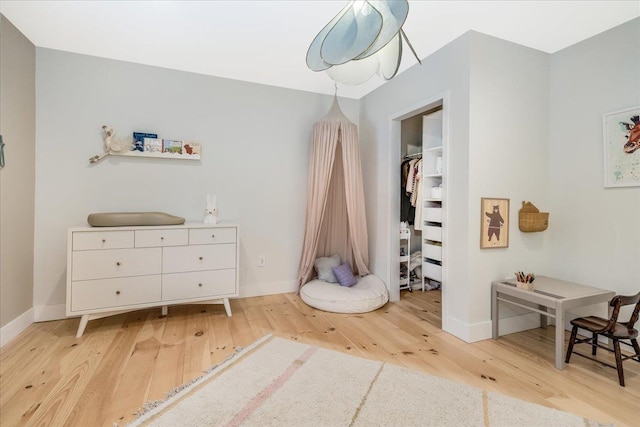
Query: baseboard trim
[45,313]
[457,328]
[483,330]
[17,325]
[259,289]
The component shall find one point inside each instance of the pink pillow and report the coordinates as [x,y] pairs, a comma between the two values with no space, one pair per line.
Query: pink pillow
[344,275]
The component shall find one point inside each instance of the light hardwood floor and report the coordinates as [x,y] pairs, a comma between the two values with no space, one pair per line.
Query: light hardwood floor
[48,377]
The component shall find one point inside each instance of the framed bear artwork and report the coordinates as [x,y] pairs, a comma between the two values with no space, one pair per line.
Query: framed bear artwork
[494,223]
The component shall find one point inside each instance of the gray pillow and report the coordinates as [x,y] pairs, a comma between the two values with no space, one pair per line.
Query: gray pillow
[324,265]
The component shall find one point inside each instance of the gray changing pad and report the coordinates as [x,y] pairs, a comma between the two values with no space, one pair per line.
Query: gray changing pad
[124,219]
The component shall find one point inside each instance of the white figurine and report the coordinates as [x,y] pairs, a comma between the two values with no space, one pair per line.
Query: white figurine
[211,212]
[112,144]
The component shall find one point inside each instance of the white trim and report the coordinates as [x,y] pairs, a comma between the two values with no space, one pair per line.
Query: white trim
[15,327]
[482,330]
[45,313]
[469,332]
[259,289]
[457,328]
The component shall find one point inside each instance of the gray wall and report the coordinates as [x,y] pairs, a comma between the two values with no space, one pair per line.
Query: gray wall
[445,70]
[498,100]
[595,230]
[17,178]
[508,158]
[255,145]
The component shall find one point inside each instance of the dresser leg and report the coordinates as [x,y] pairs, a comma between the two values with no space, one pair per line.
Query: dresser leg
[83,324]
[227,306]
[165,310]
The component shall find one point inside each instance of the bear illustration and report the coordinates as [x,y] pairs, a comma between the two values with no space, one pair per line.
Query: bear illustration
[495,222]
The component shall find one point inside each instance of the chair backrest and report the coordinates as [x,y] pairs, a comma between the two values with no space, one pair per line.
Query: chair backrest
[620,301]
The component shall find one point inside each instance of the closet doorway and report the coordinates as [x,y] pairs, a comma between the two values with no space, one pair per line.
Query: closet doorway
[418,159]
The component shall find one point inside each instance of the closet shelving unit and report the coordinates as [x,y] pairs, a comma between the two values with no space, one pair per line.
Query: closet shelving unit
[432,213]
[405,247]
[405,259]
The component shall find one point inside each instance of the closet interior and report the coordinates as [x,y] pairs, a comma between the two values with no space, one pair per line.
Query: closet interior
[421,201]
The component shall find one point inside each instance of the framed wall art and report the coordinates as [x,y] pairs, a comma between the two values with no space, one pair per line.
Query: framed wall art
[494,220]
[621,148]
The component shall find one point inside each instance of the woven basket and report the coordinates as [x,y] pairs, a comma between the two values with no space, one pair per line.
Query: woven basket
[531,220]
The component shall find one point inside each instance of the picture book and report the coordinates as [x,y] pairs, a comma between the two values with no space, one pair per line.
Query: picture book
[171,146]
[153,145]
[138,140]
[191,148]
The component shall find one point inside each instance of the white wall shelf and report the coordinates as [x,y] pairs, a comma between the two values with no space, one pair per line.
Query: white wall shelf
[148,154]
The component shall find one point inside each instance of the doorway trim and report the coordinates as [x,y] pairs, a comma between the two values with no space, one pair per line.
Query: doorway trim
[393,201]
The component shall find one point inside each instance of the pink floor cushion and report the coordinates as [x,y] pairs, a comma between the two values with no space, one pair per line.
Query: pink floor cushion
[369,294]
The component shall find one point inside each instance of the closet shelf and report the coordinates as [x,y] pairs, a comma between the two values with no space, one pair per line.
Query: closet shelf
[432,149]
[433,175]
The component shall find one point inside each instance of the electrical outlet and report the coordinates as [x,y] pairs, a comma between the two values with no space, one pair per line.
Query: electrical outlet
[262,261]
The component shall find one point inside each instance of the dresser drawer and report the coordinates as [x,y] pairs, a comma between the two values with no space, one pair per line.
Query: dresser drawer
[198,284]
[158,238]
[432,271]
[208,236]
[180,259]
[432,252]
[433,214]
[89,265]
[121,292]
[432,233]
[86,240]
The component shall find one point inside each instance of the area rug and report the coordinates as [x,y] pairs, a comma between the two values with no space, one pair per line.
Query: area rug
[277,382]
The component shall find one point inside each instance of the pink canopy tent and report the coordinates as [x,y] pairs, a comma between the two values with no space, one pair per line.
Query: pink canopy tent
[336,221]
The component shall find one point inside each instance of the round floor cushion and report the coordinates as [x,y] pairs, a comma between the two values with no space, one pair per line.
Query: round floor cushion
[368,294]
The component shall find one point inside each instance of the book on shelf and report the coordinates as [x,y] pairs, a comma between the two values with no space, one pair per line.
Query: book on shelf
[138,140]
[152,145]
[191,148]
[171,146]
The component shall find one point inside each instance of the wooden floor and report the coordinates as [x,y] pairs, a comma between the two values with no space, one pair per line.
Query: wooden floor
[48,377]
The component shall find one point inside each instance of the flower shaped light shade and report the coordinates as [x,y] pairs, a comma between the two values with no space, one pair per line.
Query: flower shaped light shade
[365,38]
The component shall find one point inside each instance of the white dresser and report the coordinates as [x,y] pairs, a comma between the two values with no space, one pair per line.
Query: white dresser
[112,270]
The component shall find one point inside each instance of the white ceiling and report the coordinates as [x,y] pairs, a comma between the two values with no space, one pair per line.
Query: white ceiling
[266,41]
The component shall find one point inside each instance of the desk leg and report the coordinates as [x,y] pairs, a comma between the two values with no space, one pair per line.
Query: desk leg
[543,318]
[559,336]
[495,319]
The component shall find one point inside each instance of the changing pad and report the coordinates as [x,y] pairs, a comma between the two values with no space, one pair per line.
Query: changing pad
[124,219]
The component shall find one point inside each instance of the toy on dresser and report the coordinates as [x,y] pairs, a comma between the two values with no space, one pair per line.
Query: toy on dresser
[211,212]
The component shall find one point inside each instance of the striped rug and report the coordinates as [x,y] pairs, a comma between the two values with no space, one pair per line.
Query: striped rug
[277,382]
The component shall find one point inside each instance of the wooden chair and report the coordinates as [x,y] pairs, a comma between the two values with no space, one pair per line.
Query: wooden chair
[611,329]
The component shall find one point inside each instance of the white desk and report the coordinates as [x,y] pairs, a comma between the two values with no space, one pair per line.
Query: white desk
[550,298]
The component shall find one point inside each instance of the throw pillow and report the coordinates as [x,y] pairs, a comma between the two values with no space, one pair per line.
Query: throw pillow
[345,275]
[324,267]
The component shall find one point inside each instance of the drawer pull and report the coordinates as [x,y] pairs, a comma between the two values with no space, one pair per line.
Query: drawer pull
[200,258]
[118,263]
[104,240]
[117,292]
[200,284]
[213,236]
[161,238]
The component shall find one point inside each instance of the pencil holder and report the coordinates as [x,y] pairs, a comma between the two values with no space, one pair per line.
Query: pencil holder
[525,286]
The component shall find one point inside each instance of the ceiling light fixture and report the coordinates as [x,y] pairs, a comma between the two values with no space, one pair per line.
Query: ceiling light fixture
[365,38]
